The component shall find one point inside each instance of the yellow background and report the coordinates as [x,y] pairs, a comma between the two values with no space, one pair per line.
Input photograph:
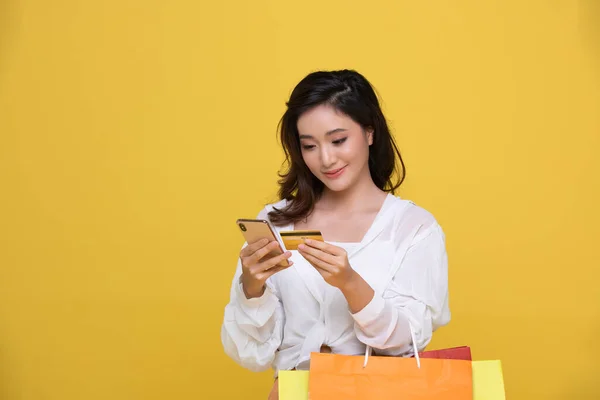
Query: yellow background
[134,133]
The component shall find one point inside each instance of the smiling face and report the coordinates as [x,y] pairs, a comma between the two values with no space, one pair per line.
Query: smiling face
[334,147]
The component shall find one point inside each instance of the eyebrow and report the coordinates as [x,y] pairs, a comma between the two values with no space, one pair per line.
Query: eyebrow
[331,132]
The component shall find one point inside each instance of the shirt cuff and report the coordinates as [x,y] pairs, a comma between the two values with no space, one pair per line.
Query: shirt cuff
[370,312]
[254,302]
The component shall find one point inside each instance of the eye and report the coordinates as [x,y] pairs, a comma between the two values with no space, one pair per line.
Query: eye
[308,146]
[339,141]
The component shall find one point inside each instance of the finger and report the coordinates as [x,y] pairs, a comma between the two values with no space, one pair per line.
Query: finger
[262,252]
[252,247]
[272,262]
[317,263]
[321,255]
[325,247]
[268,273]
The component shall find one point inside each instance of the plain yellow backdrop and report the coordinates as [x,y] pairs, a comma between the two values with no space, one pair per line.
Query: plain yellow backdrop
[134,133]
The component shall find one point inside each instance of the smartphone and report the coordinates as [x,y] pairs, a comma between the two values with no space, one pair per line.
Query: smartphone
[291,239]
[257,229]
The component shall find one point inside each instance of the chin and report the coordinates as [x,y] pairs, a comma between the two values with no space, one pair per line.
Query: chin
[336,186]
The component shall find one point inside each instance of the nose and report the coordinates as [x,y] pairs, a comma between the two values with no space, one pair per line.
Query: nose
[328,158]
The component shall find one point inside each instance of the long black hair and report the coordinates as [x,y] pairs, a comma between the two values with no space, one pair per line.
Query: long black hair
[350,93]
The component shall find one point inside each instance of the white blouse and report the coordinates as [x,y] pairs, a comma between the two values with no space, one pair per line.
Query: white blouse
[403,258]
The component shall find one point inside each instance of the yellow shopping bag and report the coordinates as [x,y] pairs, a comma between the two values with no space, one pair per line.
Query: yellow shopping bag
[488,382]
[293,385]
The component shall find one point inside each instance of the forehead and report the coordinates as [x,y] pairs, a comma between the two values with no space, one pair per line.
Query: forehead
[322,119]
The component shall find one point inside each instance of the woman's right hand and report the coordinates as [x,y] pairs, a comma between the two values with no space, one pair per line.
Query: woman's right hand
[258,265]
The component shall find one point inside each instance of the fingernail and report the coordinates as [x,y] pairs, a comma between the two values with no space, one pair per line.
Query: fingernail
[300,247]
[308,241]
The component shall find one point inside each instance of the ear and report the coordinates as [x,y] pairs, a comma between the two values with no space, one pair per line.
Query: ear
[370,132]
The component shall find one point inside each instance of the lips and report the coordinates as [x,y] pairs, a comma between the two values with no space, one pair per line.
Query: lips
[334,173]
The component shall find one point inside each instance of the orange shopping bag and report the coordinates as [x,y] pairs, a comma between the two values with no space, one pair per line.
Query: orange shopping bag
[341,377]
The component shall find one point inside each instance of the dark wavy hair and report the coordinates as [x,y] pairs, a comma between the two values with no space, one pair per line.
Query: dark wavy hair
[350,93]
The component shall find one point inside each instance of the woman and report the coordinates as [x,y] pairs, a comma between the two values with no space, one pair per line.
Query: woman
[378,282]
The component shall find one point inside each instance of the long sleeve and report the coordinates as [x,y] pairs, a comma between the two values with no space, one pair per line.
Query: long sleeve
[252,329]
[416,298]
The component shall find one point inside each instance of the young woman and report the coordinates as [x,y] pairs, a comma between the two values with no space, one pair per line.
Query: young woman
[379,281]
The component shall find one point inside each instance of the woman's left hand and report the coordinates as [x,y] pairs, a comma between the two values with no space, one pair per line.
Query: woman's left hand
[329,260]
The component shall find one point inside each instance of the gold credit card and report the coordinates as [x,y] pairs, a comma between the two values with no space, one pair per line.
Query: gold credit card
[291,239]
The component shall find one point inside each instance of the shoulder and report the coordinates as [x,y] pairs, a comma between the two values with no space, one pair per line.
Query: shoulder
[413,217]
[264,213]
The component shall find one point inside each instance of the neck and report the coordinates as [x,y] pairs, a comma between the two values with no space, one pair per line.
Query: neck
[359,196]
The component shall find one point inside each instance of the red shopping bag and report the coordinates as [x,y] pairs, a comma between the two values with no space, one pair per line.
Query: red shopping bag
[453,353]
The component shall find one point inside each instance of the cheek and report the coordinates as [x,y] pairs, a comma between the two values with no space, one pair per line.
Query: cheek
[354,150]
[310,159]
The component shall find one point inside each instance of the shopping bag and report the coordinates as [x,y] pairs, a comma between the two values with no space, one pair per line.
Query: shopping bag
[488,382]
[293,385]
[487,376]
[453,353]
[341,377]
